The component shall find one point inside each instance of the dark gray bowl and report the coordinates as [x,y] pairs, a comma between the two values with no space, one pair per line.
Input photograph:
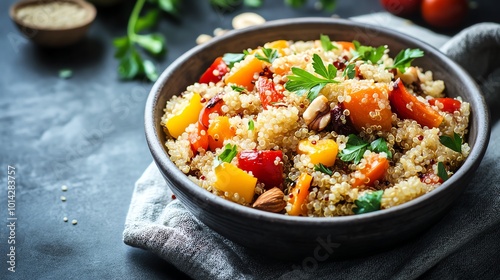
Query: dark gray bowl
[290,237]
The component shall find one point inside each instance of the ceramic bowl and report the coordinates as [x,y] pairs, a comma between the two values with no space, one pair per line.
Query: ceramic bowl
[289,237]
[53,36]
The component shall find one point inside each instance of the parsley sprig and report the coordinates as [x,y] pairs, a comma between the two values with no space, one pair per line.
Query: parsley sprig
[441,172]
[326,43]
[368,202]
[229,153]
[269,55]
[454,142]
[131,64]
[356,147]
[405,57]
[302,82]
[367,53]
[323,169]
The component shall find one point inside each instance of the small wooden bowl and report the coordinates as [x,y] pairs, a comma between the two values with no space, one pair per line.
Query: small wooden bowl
[53,36]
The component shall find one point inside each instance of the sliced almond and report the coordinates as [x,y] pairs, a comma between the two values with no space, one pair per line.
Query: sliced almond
[247,19]
[270,201]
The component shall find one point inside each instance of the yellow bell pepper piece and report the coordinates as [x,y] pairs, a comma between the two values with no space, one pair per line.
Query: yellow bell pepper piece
[323,151]
[278,45]
[177,124]
[230,178]
[219,130]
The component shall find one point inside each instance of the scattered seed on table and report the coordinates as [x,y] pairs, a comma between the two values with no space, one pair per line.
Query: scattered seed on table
[203,38]
[64,188]
[74,222]
[63,198]
[65,219]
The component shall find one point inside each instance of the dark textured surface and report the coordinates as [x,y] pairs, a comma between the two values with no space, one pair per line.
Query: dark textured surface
[87,132]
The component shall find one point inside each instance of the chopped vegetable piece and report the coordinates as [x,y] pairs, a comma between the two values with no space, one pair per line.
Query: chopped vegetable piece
[198,139]
[278,45]
[266,166]
[369,107]
[251,125]
[454,143]
[323,169]
[407,106]
[326,43]
[219,130]
[299,195]
[177,124]
[214,105]
[215,72]
[374,169]
[368,202]
[446,104]
[232,179]
[268,55]
[346,45]
[323,151]
[267,92]
[244,76]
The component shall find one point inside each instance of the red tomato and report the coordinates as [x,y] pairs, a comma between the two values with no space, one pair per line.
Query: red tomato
[267,92]
[263,166]
[198,139]
[401,7]
[444,13]
[215,72]
[450,105]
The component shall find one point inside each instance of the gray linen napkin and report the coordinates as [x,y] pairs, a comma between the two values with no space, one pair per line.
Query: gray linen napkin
[465,244]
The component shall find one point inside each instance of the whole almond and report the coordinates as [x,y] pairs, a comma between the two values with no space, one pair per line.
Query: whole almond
[270,201]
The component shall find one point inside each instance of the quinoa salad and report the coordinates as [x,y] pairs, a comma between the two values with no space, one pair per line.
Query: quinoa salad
[317,128]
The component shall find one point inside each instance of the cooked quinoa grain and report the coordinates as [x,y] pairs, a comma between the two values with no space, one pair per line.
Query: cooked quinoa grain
[379,137]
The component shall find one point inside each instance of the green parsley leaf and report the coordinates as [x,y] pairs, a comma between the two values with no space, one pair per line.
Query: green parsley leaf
[328,5]
[150,70]
[442,172]
[454,143]
[350,71]
[405,57]
[354,149]
[326,43]
[231,58]
[251,125]
[237,88]
[269,55]
[253,3]
[379,145]
[368,53]
[302,82]
[170,6]
[153,43]
[368,202]
[130,65]
[229,153]
[225,5]
[65,73]
[122,46]
[321,168]
[295,3]
[147,21]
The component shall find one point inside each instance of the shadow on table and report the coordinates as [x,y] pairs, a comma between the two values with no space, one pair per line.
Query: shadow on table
[144,260]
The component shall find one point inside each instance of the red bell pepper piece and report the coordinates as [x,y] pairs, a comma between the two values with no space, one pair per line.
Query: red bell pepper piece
[266,166]
[214,105]
[267,92]
[215,72]
[407,106]
[450,105]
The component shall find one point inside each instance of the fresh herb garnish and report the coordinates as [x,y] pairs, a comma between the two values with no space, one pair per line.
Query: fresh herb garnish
[302,82]
[350,71]
[326,43]
[367,53]
[238,88]
[380,146]
[356,147]
[229,153]
[253,3]
[368,202]
[405,57]
[251,125]
[231,58]
[454,143]
[321,168]
[65,73]
[131,63]
[442,172]
[269,55]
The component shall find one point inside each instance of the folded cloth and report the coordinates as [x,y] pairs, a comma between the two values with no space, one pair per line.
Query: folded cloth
[464,244]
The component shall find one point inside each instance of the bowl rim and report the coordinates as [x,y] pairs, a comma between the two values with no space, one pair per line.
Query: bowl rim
[178,177]
[89,7]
